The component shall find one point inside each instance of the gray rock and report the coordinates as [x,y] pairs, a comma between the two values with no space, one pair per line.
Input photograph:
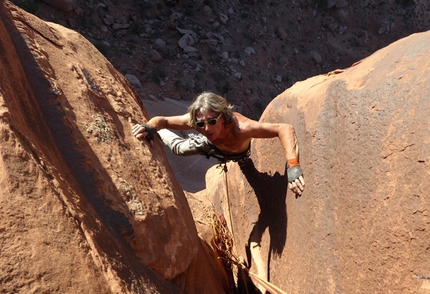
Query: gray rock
[109,20]
[233,60]
[212,35]
[282,34]
[249,51]
[176,16]
[225,55]
[133,80]
[187,32]
[331,3]
[316,56]
[223,18]
[333,26]
[160,43]
[207,10]
[189,49]
[341,3]
[186,40]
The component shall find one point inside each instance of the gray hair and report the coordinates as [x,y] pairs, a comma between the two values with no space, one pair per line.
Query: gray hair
[213,102]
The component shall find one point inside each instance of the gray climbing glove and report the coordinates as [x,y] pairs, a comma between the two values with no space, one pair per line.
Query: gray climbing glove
[151,132]
[294,173]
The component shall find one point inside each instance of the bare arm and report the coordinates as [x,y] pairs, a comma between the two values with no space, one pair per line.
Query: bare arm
[179,122]
[285,132]
[286,135]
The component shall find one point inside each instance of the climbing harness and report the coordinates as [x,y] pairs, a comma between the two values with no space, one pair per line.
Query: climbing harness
[223,158]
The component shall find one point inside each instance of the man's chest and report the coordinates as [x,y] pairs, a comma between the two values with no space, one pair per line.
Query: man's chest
[231,145]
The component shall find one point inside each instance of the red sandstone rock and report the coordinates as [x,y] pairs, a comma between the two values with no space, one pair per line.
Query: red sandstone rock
[83,203]
[362,224]
[84,206]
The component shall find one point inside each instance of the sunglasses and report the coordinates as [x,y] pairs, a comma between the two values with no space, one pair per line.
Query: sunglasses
[211,122]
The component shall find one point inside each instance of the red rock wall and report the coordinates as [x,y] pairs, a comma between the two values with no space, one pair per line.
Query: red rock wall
[362,225]
[84,206]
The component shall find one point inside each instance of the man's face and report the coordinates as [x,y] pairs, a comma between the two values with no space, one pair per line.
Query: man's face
[210,123]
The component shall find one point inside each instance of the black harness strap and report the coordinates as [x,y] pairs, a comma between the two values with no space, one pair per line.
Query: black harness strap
[223,157]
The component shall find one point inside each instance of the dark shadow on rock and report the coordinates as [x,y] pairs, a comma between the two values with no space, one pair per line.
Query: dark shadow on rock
[271,192]
[245,284]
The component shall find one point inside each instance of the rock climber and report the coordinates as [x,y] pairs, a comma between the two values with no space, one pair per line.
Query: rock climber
[223,134]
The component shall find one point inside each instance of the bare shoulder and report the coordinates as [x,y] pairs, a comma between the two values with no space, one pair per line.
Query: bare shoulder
[250,128]
[243,124]
[242,119]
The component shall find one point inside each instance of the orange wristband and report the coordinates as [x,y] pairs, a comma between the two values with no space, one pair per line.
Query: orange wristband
[293,162]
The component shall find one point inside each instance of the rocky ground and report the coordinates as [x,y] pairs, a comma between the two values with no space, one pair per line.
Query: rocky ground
[248,51]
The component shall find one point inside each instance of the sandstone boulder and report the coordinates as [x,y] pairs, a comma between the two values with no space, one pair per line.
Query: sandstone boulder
[84,206]
[362,224]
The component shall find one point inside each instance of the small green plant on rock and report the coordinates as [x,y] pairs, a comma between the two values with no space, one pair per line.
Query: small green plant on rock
[100,129]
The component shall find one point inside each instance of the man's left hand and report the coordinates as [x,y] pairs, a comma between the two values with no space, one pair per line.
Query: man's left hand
[296,182]
[297,186]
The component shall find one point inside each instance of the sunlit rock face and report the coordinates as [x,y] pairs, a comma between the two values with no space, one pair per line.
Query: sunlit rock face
[362,222]
[85,206]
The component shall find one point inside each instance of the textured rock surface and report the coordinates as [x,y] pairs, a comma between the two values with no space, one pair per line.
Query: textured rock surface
[84,206]
[362,225]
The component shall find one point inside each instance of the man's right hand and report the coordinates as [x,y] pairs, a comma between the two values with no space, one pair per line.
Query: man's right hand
[142,131]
